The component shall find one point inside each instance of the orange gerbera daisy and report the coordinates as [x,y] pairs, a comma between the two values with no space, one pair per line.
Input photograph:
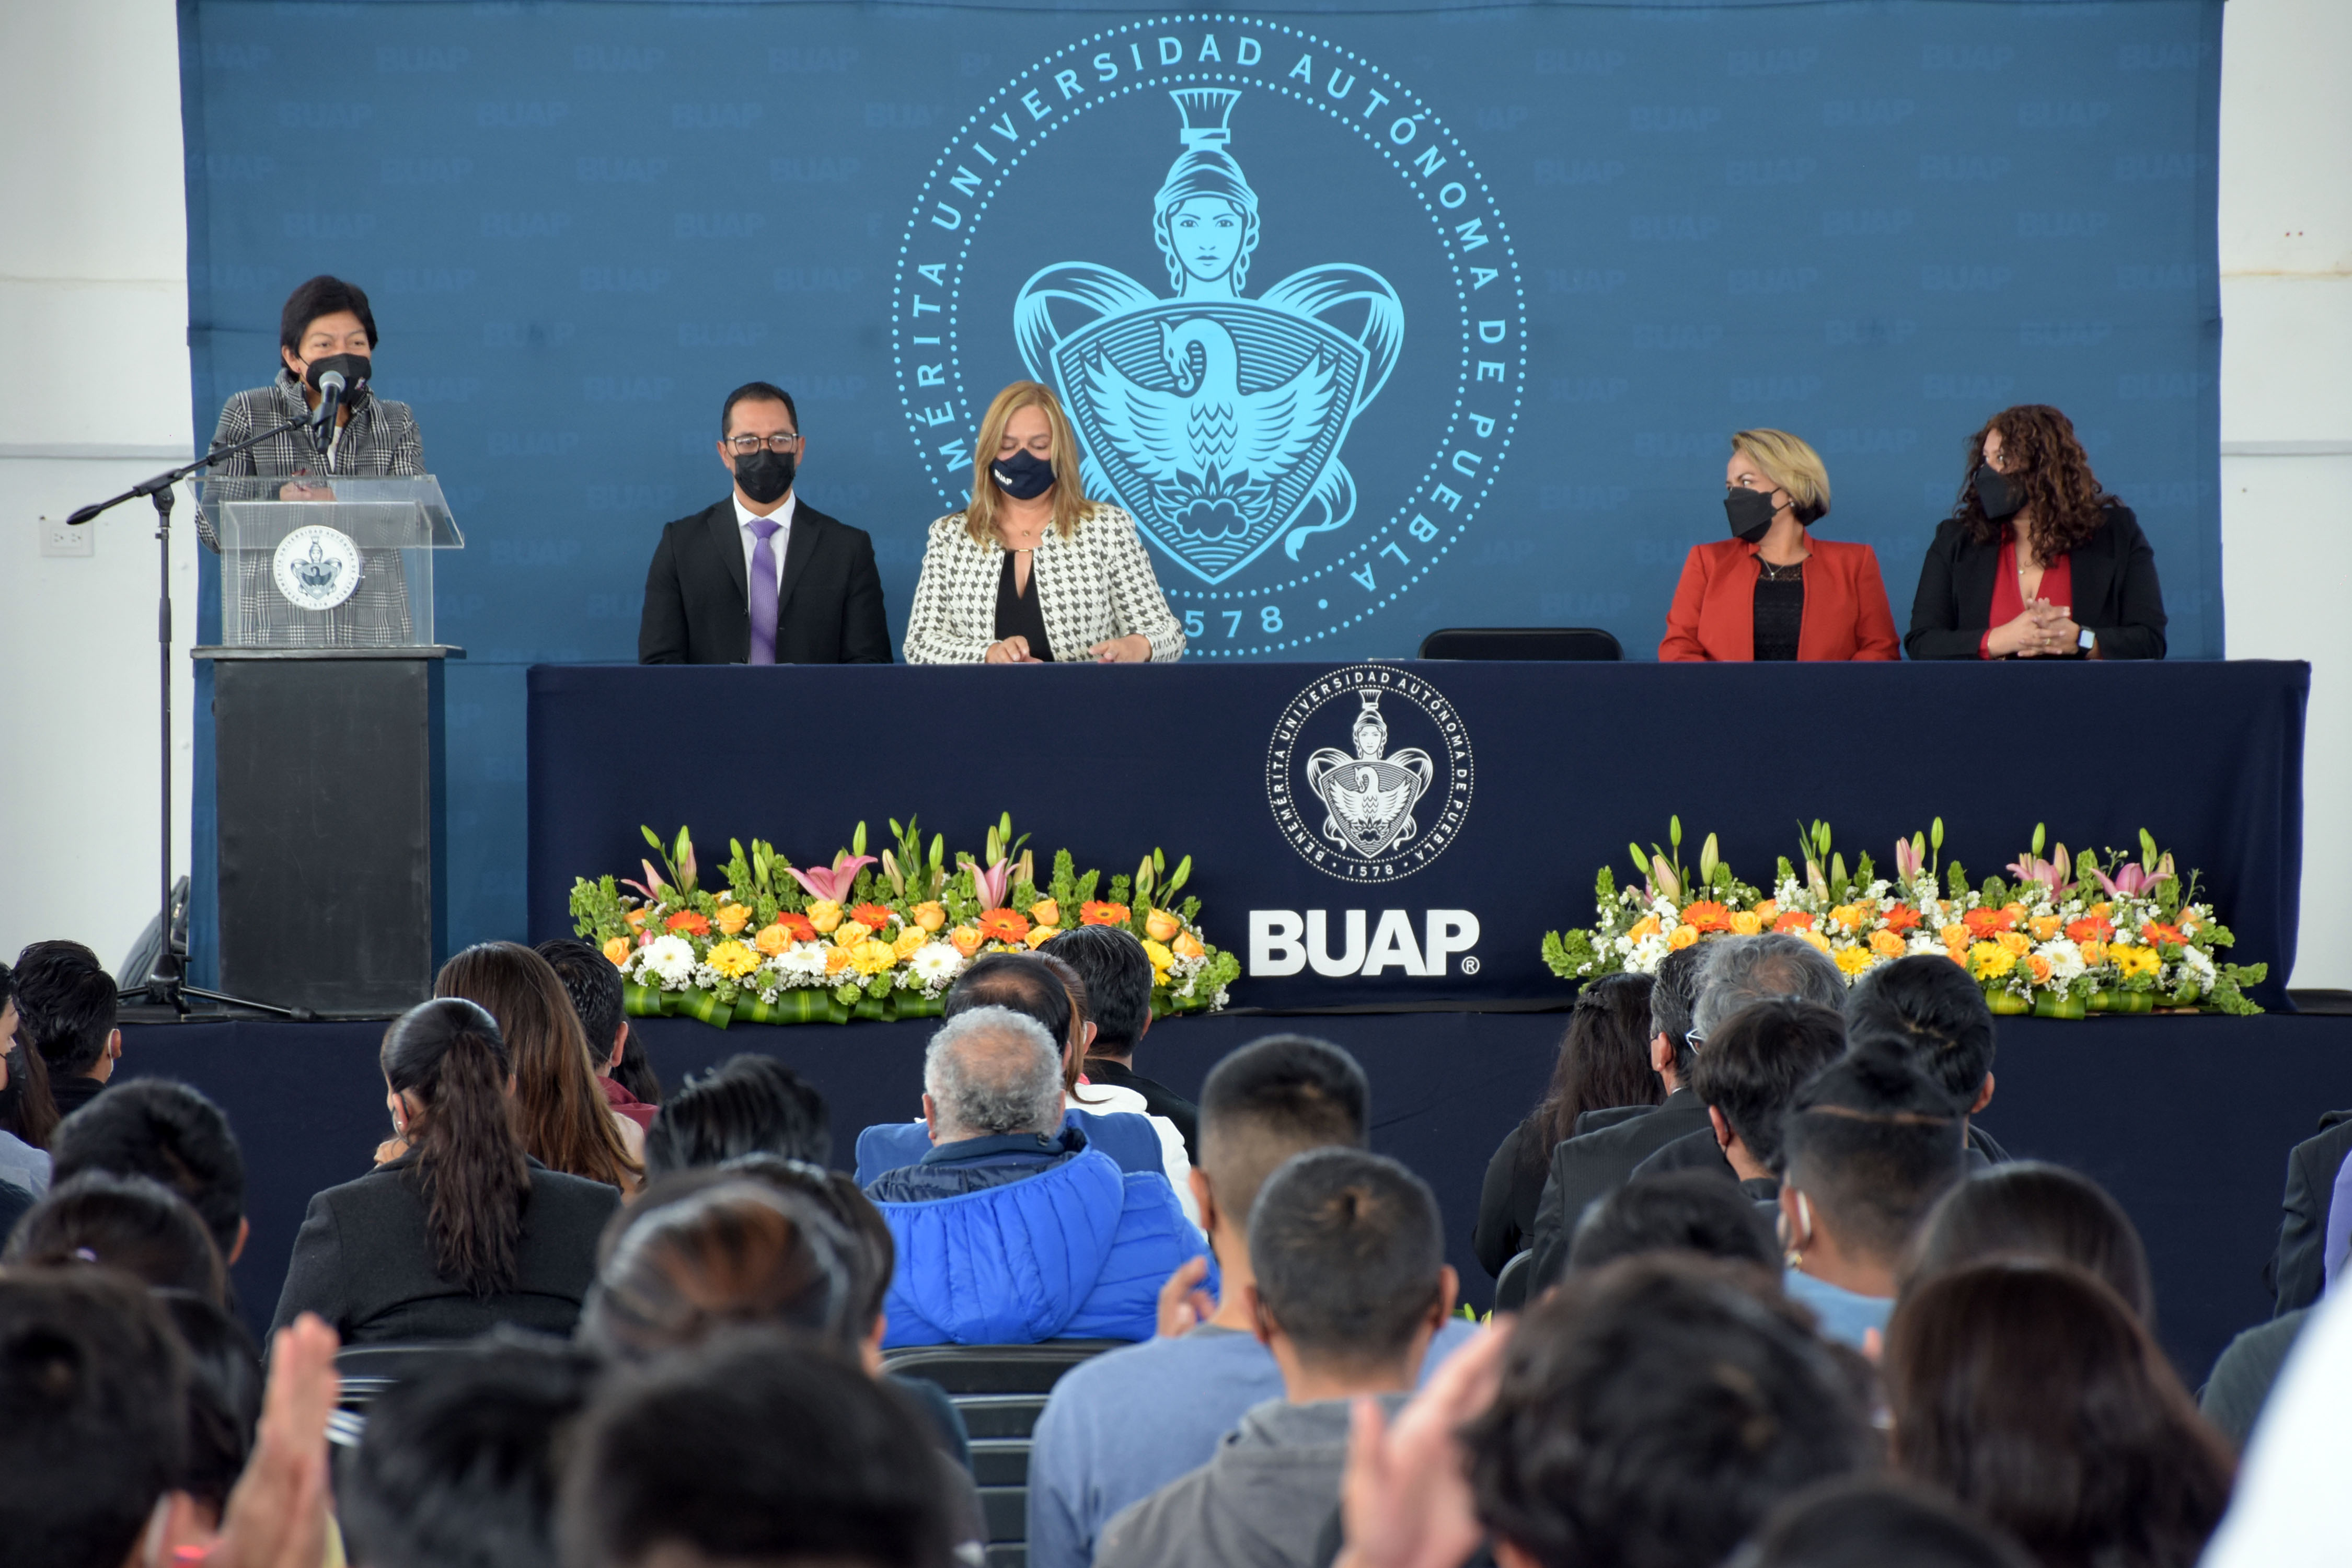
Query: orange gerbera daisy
[1902,916]
[2156,933]
[873,917]
[1003,925]
[1708,915]
[1793,919]
[1097,912]
[798,925]
[690,923]
[1983,922]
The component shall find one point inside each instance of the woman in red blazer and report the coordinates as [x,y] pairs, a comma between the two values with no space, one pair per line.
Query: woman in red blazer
[1772,591]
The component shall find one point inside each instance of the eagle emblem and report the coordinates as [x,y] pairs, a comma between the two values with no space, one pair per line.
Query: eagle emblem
[1369,798]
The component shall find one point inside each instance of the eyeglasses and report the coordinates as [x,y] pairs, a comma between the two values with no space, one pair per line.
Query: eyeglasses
[745,446]
[1694,1038]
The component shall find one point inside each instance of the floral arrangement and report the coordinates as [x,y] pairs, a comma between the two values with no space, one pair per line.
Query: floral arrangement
[2059,938]
[875,937]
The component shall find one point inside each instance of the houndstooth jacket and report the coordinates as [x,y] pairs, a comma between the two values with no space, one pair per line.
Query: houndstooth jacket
[1094,585]
[380,438]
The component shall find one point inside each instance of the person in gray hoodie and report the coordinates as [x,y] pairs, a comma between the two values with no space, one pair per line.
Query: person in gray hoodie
[1352,1282]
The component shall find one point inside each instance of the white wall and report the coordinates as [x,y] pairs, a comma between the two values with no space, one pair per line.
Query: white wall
[92,283]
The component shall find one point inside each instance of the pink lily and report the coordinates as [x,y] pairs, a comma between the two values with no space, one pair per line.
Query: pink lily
[834,884]
[2034,868]
[651,888]
[2129,882]
[992,884]
[1910,861]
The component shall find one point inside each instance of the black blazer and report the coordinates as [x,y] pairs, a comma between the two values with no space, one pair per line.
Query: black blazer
[1593,1165]
[2117,596]
[362,1261]
[697,593]
[2298,1267]
[1159,1100]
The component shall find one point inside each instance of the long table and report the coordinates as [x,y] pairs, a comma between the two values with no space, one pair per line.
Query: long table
[2187,1120]
[1391,836]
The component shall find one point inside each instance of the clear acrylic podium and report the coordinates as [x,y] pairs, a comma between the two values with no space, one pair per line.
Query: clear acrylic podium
[327,713]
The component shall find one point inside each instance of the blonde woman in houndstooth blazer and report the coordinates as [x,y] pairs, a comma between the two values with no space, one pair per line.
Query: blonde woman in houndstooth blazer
[1033,572]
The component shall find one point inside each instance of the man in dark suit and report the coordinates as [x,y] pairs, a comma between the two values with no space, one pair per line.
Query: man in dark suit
[2299,1267]
[759,578]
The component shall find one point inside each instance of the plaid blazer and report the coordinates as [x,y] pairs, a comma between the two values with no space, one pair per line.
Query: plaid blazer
[1094,585]
[380,439]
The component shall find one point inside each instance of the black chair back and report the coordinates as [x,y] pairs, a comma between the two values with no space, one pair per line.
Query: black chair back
[1511,1284]
[1531,645]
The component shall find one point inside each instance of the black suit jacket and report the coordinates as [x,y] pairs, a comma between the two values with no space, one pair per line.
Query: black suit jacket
[2298,1266]
[2117,596]
[1159,1100]
[698,605]
[363,1262]
[1593,1165]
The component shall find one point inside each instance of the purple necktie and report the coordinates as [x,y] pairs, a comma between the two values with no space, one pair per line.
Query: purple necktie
[763,592]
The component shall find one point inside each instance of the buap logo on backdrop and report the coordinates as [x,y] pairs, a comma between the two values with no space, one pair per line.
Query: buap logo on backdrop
[1299,455]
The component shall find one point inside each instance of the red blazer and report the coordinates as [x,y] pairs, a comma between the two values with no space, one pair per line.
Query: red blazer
[1713,613]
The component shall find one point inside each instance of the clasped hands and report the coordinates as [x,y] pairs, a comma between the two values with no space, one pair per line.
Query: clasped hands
[1133,649]
[2044,630]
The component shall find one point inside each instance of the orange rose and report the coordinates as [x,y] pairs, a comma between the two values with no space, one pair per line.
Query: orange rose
[690,923]
[617,950]
[1816,938]
[1003,925]
[2095,953]
[1682,937]
[1959,955]
[732,918]
[1046,912]
[2101,911]
[824,914]
[772,939]
[1096,913]
[1795,919]
[849,933]
[2044,927]
[1707,915]
[635,918]
[1040,935]
[796,926]
[1767,911]
[836,959]
[1162,926]
[2039,967]
[1956,937]
[1744,923]
[1886,944]
[873,917]
[911,941]
[966,939]
[930,917]
[1647,926]
[2014,942]
[1902,916]
[1187,945]
[1850,916]
[2014,911]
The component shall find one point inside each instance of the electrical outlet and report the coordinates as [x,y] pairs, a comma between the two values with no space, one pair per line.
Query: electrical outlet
[59,540]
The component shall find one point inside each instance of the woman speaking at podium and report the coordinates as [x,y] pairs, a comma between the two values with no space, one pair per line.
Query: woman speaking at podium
[325,326]
[1031,572]
[1772,590]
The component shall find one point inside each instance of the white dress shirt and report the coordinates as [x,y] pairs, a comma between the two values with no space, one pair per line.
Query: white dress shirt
[745,517]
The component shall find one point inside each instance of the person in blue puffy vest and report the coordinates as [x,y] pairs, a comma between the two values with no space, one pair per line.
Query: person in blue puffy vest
[1011,1229]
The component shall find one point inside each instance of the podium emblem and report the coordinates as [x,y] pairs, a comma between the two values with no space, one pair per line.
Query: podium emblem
[1370,811]
[1370,799]
[316,567]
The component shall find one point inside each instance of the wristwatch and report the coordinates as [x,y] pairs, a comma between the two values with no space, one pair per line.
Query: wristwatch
[2086,639]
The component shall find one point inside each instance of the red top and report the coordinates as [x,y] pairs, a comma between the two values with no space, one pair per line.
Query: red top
[2009,599]
[621,1102]
[1713,613]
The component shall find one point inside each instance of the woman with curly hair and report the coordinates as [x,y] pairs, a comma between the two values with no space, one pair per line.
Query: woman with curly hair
[2036,560]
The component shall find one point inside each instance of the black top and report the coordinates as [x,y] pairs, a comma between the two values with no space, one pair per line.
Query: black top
[1159,1100]
[1591,1165]
[1018,614]
[698,595]
[2298,1267]
[72,1090]
[2116,596]
[1780,615]
[1507,1203]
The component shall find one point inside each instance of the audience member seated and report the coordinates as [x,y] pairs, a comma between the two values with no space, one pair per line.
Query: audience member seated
[27,1115]
[748,1104]
[1868,1145]
[459,1465]
[462,1231]
[66,1007]
[564,1121]
[1749,1071]
[594,983]
[1931,1005]
[138,1226]
[1878,1521]
[224,1399]
[155,1127]
[1683,1211]
[635,1072]
[1604,1062]
[2299,1265]
[2028,1210]
[1734,972]
[1348,1283]
[2030,1391]
[705,1250]
[2239,1388]
[1011,1229]
[1088,1455]
[2288,1510]
[1118,978]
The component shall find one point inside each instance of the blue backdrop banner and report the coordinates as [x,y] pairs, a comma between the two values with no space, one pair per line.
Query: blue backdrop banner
[1378,318]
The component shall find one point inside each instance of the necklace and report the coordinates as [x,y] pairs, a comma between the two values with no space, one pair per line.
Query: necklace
[1791,573]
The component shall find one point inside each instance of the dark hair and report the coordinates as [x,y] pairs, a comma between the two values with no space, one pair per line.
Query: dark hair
[65,1005]
[1755,1060]
[756,392]
[1873,1143]
[94,1382]
[460,1465]
[559,1111]
[159,1128]
[1118,978]
[1930,1005]
[27,1107]
[748,1104]
[1347,1248]
[2027,1209]
[1871,1521]
[1652,1412]
[1019,981]
[1072,1045]
[2030,1391]
[450,1055]
[593,984]
[1271,1100]
[129,1222]
[2048,468]
[706,1250]
[1604,1060]
[636,1072]
[224,1394]
[1673,1001]
[869,1253]
[321,296]
[1681,1210]
[761,1447]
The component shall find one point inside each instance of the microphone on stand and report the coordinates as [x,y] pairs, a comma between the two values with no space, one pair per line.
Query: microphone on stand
[331,396]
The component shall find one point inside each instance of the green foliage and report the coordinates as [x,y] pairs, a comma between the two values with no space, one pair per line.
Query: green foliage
[1569,956]
[597,914]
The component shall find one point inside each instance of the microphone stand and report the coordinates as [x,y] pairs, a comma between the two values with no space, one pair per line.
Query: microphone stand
[167,985]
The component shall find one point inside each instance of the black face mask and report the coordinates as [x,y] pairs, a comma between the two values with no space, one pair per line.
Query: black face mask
[354,371]
[1024,476]
[1995,493]
[1752,513]
[765,476]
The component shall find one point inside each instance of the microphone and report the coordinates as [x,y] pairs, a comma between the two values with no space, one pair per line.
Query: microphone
[331,396]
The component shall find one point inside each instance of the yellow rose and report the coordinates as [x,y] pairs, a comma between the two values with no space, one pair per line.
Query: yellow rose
[731,917]
[1767,912]
[931,917]
[2018,943]
[911,943]
[617,950]
[1046,912]
[1746,924]
[825,915]
[1647,926]
[1682,937]
[1956,936]
[2039,967]
[1160,959]
[1852,961]
[849,933]
[1040,935]
[1886,944]
[966,939]
[1162,926]
[772,939]
[1991,961]
[733,960]
[1816,938]
[1187,945]
[2044,927]
[871,957]
[1847,915]
[836,959]
[2095,953]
